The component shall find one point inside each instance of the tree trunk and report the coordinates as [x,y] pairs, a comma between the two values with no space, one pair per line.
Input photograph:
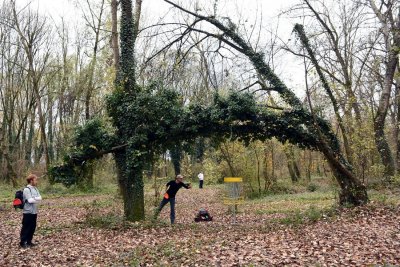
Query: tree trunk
[397,125]
[29,143]
[227,157]
[114,32]
[85,180]
[258,170]
[352,190]
[304,40]
[50,129]
[294,171]
[130,180]
[391,34]
[383,146]
[126,72]
[379,120]
[267,178]
[92,68]
[42,126]
[273,175]
[176,158]
[292,174]
[138,12]
[309,165]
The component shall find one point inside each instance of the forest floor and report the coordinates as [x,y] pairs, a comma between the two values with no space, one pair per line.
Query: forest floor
[303,229]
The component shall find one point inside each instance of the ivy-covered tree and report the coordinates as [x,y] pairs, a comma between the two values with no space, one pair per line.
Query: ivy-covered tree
[149,121]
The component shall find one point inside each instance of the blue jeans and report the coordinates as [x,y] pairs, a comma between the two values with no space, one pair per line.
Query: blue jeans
[162,204]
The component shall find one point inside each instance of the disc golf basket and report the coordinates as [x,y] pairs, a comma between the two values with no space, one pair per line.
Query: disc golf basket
[233,193]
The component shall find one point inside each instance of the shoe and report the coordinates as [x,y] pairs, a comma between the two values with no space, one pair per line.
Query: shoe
[31,244]
[23,245]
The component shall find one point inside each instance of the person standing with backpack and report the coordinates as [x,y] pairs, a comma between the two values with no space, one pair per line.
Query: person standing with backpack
[31,198]
[169,196]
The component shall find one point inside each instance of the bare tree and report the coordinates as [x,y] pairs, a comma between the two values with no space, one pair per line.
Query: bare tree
[388,14]
[34,34]
[94,19]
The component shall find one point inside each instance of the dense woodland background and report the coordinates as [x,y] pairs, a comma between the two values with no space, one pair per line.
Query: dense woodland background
[55,76]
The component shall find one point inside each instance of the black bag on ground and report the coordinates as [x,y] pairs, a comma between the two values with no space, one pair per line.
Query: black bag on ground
[203,216]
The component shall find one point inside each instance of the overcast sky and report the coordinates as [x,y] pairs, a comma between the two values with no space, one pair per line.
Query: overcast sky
[154,9]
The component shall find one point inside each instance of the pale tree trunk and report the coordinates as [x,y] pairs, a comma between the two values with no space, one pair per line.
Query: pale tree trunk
[114,32]
[42,119]
[29,143]
[293,168]
[138,12]
[397,123]
[391,32]
[258,160]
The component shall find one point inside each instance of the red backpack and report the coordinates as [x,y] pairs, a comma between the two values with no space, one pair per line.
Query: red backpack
[18,202]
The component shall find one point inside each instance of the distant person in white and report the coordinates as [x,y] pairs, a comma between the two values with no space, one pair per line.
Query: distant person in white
[31,199]
[201,179]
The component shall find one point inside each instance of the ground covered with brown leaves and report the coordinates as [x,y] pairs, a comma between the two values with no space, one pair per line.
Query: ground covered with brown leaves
[87,231]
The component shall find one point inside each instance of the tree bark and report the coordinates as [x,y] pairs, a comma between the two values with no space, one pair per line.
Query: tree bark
[138,12]
[29,143]
[397,125]
[305,42]
[42,126]
[176,158]
[392,40]
[130,180]
[92,67]
[294,171]
[114,32]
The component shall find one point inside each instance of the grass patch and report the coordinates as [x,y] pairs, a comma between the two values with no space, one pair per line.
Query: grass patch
[310,215]
[291,203]
[384,197]
[7,192]
[285,186]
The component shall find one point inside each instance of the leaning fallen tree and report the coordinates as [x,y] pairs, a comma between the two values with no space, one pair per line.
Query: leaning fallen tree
[352,190]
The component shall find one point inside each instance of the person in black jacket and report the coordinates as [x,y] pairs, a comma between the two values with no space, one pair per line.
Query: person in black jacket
[169,196]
